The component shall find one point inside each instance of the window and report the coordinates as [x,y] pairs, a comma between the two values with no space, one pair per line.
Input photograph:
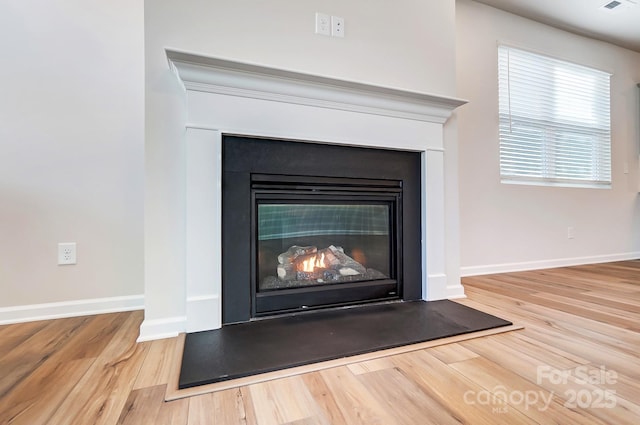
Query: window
[554,121]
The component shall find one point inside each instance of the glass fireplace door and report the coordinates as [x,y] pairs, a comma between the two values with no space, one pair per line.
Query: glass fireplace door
[319,245]
[304,244]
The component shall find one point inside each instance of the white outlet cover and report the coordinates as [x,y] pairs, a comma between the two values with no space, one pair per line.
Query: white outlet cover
[337,26]
[323,23]
[67,253]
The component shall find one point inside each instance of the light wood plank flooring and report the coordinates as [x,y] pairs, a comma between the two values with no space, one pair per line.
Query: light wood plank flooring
[575,362]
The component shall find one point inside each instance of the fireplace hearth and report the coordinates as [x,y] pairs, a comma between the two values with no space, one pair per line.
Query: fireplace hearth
[308,226]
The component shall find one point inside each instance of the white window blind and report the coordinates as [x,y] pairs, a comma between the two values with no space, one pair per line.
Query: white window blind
[554,121]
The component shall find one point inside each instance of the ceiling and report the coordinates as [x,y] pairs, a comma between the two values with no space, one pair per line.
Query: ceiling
[620,26]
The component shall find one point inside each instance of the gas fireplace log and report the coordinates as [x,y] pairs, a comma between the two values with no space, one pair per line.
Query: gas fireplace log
[287,271]
[294,252]
[348,266]
[325,265]
[348,271]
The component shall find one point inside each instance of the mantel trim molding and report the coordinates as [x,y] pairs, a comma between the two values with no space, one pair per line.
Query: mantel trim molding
[273,84]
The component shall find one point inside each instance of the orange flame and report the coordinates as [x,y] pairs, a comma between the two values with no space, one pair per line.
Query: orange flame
[312,262]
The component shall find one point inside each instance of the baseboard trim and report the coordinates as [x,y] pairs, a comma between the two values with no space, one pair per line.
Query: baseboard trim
[59,310]
[162,328]
[204,313]
[439,288]
[545,264]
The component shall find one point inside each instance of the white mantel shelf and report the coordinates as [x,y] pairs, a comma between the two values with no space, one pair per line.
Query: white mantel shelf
[229,97]
[201,73]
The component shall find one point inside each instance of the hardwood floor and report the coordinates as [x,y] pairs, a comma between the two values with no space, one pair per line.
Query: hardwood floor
[575,362]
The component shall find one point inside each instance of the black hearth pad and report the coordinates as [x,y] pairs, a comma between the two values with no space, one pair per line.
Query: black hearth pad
[251,348]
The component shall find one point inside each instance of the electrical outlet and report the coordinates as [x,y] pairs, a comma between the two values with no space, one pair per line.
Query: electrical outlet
[323,24]
[337,26]
[571,233]
[66,253]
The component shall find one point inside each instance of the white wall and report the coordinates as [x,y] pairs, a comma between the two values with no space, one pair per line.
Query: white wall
[71,155]
[418,54]
[513,227]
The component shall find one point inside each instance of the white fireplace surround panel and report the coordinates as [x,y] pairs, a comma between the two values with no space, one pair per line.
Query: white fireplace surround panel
[228,97]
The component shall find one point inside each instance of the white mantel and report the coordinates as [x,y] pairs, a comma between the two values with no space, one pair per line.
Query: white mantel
[228,97]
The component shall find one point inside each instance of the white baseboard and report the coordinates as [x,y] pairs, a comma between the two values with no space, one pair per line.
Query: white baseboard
[204,313]
[439,288]
[162,328]
[545,264]
[58,310]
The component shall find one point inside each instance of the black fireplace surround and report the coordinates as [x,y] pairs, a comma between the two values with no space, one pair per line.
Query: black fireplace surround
[309,225]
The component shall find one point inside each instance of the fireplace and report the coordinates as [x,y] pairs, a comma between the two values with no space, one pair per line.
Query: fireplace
[309,225]
[218,98]
[330,244]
